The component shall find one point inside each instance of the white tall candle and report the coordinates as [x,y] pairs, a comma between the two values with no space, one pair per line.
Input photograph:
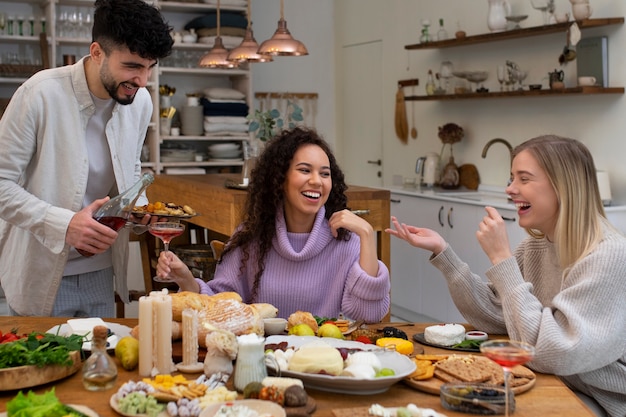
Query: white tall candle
[145,336]
[163,326]
[190,336]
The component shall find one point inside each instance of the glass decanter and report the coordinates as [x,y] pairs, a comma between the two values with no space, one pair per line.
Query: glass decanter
[99,370]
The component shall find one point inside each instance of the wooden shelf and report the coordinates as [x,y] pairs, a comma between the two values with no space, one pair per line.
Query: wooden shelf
[516,33]
[523,93]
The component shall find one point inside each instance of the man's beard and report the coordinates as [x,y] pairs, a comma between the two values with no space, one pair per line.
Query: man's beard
[112,87]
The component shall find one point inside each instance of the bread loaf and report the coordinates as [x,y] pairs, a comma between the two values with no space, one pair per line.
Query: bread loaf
[232,315]
[300,317]
[186,299]
[267,311]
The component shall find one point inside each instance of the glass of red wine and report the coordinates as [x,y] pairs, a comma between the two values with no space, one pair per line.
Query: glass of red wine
[166,231]
[507,354]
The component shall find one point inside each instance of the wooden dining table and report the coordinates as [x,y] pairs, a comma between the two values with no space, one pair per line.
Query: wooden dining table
[549,396]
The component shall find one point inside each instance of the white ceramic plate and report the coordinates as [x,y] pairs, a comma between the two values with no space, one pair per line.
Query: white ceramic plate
[83,409]
[393,412]
[223,146]
[260,406]
[118,330]
[401,364]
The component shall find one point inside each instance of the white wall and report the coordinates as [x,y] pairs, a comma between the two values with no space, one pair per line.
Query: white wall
[598,121]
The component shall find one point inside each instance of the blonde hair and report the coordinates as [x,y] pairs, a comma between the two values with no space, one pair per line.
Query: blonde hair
[572,173]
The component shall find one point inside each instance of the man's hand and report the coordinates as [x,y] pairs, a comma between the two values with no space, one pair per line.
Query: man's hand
[86,233]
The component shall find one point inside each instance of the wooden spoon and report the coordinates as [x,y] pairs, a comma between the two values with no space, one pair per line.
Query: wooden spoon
[413,129]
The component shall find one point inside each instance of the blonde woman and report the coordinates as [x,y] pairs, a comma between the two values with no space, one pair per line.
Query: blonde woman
[563,288]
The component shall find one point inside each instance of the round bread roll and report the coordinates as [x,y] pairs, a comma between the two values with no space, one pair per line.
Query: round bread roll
[300,317]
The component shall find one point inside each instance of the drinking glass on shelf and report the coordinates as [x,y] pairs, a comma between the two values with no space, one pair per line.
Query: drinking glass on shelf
[3,22]
[166,231]
[507,354]
[545,7]
[501,76]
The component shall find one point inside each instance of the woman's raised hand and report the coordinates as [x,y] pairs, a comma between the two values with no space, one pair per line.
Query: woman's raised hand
[419,237]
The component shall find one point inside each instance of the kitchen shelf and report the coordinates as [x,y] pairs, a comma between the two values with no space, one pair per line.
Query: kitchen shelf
[523,93]
[516,33]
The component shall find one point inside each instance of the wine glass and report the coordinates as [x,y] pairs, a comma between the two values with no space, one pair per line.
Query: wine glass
[507,354]
[501,76]
[543,6]
[166,231]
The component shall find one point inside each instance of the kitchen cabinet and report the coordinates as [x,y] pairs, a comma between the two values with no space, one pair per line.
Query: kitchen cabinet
[516,34]
[418,288]
[67,25]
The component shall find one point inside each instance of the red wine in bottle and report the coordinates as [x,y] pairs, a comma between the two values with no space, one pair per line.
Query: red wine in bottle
[116,211]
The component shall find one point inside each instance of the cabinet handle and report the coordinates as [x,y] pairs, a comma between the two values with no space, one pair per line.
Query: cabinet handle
[376,162]
[361,212]
[509,219]
[393,200]
[450,218]
[439,216]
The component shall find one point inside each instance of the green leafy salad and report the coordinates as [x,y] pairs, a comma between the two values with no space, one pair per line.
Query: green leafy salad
[44,405]
[39,349]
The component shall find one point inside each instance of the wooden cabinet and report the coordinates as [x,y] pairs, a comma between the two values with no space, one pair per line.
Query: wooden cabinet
[516,34]
[417,286]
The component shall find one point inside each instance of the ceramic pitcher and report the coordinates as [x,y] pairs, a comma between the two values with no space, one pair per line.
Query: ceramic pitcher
[498,11]
[250,364]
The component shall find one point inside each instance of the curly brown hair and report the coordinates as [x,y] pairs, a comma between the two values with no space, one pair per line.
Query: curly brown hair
[266,195]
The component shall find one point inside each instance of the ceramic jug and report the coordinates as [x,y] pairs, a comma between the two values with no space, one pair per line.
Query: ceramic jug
[556,79]
[498,11]
[250,364]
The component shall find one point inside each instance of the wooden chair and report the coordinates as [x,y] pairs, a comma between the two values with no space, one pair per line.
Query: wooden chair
[134,295]
[217,246]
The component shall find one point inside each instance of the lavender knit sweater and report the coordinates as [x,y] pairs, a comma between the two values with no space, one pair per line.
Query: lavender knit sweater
[578,325]
[311,272]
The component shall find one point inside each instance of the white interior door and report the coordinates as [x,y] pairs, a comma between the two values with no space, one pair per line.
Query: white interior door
[361,98]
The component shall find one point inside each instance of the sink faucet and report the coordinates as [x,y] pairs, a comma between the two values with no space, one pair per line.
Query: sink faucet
[502,141]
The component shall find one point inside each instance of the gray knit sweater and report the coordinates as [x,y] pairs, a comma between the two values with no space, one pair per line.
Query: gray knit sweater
[578,325]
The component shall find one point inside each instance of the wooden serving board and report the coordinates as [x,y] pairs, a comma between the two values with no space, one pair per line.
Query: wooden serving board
[30,376]
[432,385]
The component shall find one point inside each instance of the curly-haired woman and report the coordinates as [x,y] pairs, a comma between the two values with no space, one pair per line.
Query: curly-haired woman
[298,247]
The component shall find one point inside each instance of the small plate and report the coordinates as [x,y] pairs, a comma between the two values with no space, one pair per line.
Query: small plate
[419,337]
[83,409]
[118,330]
[140,214]
[267,408]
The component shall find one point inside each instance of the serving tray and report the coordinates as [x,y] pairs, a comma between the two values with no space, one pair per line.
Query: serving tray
[20,377]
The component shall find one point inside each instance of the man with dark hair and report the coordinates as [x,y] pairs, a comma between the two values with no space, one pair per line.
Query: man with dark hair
[71,138]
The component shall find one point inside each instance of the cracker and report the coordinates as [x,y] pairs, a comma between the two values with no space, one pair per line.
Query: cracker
[444,376]
[465,370]
[522,372]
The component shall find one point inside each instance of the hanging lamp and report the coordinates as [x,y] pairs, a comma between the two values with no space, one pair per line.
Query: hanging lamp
[282,43]
[216,57]
[247,50]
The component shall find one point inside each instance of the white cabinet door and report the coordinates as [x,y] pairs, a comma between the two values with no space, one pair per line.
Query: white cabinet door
[417,286]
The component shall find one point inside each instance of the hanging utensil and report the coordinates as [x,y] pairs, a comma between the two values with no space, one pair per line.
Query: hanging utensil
[401,124]
[413,129]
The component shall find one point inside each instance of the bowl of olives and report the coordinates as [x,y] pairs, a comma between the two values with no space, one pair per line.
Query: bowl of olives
[475,398]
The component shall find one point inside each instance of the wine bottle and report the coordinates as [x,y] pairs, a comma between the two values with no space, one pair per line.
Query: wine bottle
[116,211]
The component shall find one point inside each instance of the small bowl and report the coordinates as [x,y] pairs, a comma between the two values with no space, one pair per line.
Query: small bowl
[274,326]
[475,398]
[476,335]
[534,86]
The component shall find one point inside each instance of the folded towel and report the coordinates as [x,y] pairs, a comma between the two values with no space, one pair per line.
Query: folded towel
[223,109]
[240,3]
[227,18]
[218,127]
[226,119]
[226,133]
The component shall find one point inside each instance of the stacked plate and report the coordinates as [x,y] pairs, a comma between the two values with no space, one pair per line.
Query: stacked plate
[225,152]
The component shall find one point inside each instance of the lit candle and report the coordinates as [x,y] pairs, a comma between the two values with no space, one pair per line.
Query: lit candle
[163,326]
[145,336]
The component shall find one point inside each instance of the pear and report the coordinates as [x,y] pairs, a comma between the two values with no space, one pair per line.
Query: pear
[127,352]
[301,329]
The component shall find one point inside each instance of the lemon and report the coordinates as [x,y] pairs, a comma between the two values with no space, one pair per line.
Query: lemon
[301,329]
[402,346]
[329,330]
[127,352]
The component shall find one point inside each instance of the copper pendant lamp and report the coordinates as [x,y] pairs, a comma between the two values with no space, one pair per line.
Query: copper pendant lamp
[217,56]
[282,43]
[247,50]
